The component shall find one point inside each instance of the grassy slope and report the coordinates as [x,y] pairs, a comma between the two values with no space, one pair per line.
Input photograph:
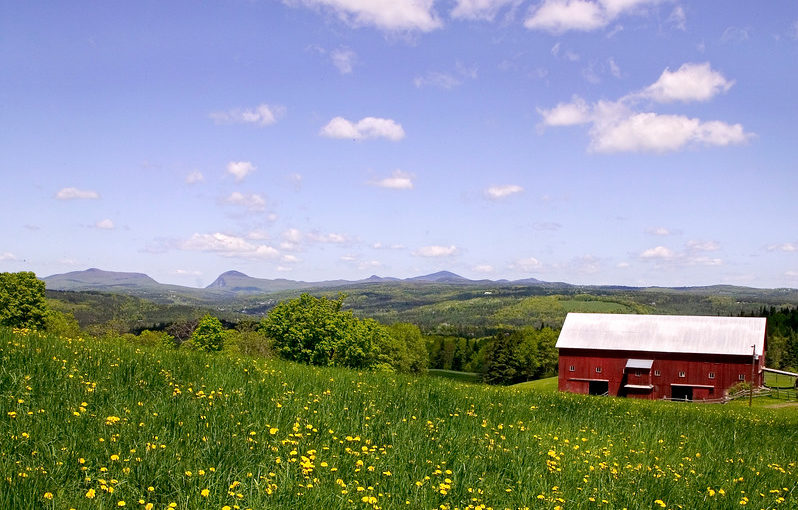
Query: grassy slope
[268,434]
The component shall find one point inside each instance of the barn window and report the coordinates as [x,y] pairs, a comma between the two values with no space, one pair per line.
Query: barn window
[741,377]
[571,368]
[712,375]
[598,370]
[637,373]
[656,373]
[681,373]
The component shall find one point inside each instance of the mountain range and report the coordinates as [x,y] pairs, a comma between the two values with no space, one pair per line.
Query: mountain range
[233,285]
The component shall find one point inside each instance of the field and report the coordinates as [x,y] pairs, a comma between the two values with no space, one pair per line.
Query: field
[85,424]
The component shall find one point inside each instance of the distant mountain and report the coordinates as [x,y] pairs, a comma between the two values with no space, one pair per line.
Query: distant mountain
[94,279]
[440,277]
[240,283]
[230,286]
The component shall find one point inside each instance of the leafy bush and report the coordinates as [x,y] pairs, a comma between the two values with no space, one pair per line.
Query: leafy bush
[61,324]
[317,332]
[248,342]
[22,303]
[155,338]
[208,335]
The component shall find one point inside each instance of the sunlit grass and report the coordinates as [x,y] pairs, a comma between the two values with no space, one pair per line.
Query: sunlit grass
[85,424]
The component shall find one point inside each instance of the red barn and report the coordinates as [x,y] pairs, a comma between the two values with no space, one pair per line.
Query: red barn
[659,356]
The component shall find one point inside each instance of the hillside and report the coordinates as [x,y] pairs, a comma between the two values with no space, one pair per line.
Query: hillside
[99,425]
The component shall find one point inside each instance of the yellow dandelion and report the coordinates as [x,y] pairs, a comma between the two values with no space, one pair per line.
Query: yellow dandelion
[48,495]
[205,493]
[90,493]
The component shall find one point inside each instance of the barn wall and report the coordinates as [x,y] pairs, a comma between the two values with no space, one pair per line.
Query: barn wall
[696,368]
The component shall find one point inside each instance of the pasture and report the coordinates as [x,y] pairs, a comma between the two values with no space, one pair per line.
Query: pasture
[107,424]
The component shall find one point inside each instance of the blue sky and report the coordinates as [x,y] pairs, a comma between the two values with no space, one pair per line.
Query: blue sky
[594,142]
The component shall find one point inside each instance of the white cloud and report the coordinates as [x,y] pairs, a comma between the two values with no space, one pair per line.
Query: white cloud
[332,238]
[292,235]
[567,54]
[614,69]
[659,252]
[105,224]
[194,177]
[76,194]
[343,60]
[480,9]
[258,235]
[622,265]
[437,79]
[499,192]
[791,274]
[368,127]
[228,246]
[388,15]
[661,133]
[702,245]
[435,251]
[296,181]
[528,265]
[397,180]
[483,269]
[289,259]
[617,127]
[735,34]
[240,169]
[558,16]
[691,82]
[252,202]
[187,272]
[7,256]
[659,231]
[703,261]
[381,246]
[567,114]
[787,247]
[261,115]
[678,18]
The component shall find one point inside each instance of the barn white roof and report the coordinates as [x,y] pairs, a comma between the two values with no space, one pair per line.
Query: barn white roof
[663,333]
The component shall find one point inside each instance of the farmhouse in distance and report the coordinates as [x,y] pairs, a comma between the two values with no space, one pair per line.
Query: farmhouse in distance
[659,356]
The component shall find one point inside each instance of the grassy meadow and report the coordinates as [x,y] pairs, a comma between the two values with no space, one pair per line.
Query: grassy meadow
[91,424]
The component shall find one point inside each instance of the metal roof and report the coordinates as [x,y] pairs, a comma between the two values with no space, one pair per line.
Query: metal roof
[639,363]
[663,333]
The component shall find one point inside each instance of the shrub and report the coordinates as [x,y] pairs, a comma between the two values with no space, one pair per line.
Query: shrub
[208,335]
[61,324]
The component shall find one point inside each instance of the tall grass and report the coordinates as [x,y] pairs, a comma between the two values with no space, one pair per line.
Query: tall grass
[85,424]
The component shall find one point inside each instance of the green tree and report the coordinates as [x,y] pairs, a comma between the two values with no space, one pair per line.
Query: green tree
[209,334]
[502,365]
[317,332]
[410,351]
[308,329]
[61,324]
[22,303]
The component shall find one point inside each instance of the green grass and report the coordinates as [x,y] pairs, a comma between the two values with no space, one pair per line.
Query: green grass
[455,375]
[548,385]
[82,417]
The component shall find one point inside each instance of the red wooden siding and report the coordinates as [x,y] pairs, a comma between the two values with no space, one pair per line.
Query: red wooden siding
[696,368]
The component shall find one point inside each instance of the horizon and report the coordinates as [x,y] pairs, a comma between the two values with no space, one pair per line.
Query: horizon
[643,143]
[404,278]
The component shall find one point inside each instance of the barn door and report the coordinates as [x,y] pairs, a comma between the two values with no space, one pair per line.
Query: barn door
[599,388]
[681,393]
